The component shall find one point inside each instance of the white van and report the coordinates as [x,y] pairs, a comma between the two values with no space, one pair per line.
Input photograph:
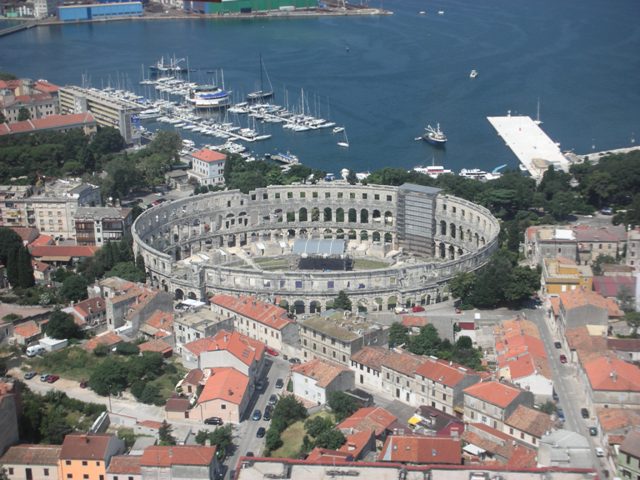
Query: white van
[34,350]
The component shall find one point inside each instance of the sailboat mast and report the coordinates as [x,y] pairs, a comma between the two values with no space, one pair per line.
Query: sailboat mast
[261,84]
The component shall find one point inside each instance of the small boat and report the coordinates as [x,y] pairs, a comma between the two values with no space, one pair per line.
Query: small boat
[477,174]
[434,171]
[473,74]
[345,142]
[338,130]
[435,136]
[422,12]
[262,93]
[440,12]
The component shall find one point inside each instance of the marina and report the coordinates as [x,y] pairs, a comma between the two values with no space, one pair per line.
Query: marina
[533,147]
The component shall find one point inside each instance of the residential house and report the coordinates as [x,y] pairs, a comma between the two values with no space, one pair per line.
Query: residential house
[159,325]
[611,381]
[259,320]
[566,449]
[440,384]
[226,349]
[108,339]
[615,286]
[198,323]
[41,272]
[131,308]
[110,287]
[28,462]
[179,462]
[191,381]
[92,311]
[417,449]
[398,376]
[490,446]
[360,444]
[562,274]
[492,402]
[27,234]
[629,456]
[549,242]
[335,335]
[582,307]
[428,420]
[316,379]
[125,467]
[207,167]
[633,248]
[9,408]
[366,364]
[99,225]
[26,332]
[625,348]
[177,408]
[87,456]
[376,419]
[57,255]
[52,123]
[226,395]
[158,346]
[528,425]
[615,422]
[596,241]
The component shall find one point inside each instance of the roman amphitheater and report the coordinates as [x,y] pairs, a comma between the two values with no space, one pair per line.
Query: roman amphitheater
[403,244]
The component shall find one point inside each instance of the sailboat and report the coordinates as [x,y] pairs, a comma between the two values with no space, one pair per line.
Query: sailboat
[262,93]
[537,121]
[345,142]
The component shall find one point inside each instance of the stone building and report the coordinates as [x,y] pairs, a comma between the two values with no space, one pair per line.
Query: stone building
[491,403]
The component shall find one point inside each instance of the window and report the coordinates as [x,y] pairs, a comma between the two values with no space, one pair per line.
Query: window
[277,196]
[327,194]
[223,406]
[352,196]
[46,472]
[10,470]
[315,195]
[364,196]
[85,463]
[289,194]
[376,196]
[303,194]
[69,475]
[85,476]
[68,462]
[330,284]
[511,431]
[521,436]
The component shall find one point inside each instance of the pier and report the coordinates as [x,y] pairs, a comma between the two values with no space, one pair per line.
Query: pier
[535,150]
[17,28]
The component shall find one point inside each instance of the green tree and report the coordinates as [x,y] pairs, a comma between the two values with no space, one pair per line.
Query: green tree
[62,326]
[202,436]
[633,320]
[331,439]
[16,258]
[126,348]
[461,285]
[101,350]
[54,426]
[107,140]
[222,437]
[523,282]
[398,334]
[289,409]
[626,300]
[316,425]
[427,342]
[150,394]
[601,260]
[165,434]
[342,405]
[25,269]
[272,440]
[342,301]
[24,114]
[74,288]
[109,377]
[127,271]
[351,177]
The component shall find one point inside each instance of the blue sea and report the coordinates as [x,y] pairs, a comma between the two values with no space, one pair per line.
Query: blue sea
[386,77]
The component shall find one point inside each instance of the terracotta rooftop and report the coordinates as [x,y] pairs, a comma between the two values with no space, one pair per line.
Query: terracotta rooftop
[32,455]
[27,234]
[611,286]
[581,297]
[40,266]
[49,122]
[27,329]
[161,320]
[226,384]
[525,365]
[530,420]
[493,392]
[631,444]
[85,447]
[612,374]
[109,339]
[269,315]
[624,344]
[417,321]
[318,455]
[156,345]
[194,377]
[45,86]
[586,345]
[90,306]
[443,372]
[370,356]
[207,155]
[125,465]
[177,404]
[166,456]
[617,419]
[356,442]
[418,449]
[370,418]
[246,349]
[610,233]
[322,371]
[61,251]
[403,362]
[42,240]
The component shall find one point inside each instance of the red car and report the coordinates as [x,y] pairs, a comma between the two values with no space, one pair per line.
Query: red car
[52,378]
[271,351]
[563,359]
[417,308]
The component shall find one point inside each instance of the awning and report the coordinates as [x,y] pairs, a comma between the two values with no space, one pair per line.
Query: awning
[414,420]
[473,450]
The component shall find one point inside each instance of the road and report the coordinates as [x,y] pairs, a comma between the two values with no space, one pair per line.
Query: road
[245,438]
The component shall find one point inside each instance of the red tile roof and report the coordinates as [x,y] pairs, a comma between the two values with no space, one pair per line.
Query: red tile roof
[49,122]
[207,155]
[610,286]
[369,418]
[418,449]
[531,421]
[370,356]
[45,86]
[85,447]
[177,404]
[59,251]
[161,320]
[194,377]
[403,362]
[262,312]
[150,424]
[109,339]
[32,455]
[42,240]
[581,297]
[493,392]
[226,384]
[125,465]
[166,456]
[318,455]
[612,374]
[27,234]
[617,419]
[322,371]
[356,443]
[246,349]
[90,306]
[40,266]
[27,329]
[156,345]
[418,321]
[443,372]
[631,444]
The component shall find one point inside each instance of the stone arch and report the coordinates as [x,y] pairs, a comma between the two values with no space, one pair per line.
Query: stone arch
[340,233]
[298,307]
[291,217]
[315,307]
[482,241]
[291,233]
[302,215]
[428,300]
[364,236]
[315,214]
[443,227]
[284,304]
[442,248]
[388,237]
[163,285]
[452,230]
[392,302]
[364,216]
[362,306]
[379,302]
[353,215]
[192,296]
[469,236]
[376,236]
[328,214]
[179,294]
[277,214]
[452,252]
[476,237]
[340,215]
[461,233]
[376,216]
[460,252]
[328,233]
[352,235]
[388,217]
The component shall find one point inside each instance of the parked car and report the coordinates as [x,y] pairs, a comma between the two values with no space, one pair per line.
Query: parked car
[267,413]
[249,454]
[257,415]
[34,350]
[213,421]
[294,361]
[84,384]
[273,399]
[271,351]
[563,358]
[584,412]
[599,452]
[555,396]
[260,433]
[593,431]
[279,383]
[560,413]
[261,385]
[557,344]
[52,378]
[417,308]
[30,375]
[44,377]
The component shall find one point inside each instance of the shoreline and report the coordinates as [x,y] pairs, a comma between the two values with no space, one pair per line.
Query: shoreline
[30,23]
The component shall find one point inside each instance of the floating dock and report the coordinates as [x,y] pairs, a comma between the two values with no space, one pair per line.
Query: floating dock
[535,150]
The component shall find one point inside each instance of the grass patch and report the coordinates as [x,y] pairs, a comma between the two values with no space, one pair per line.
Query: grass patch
[73,363]
[368,264]
[272,263]
[292,438]
[166,383]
